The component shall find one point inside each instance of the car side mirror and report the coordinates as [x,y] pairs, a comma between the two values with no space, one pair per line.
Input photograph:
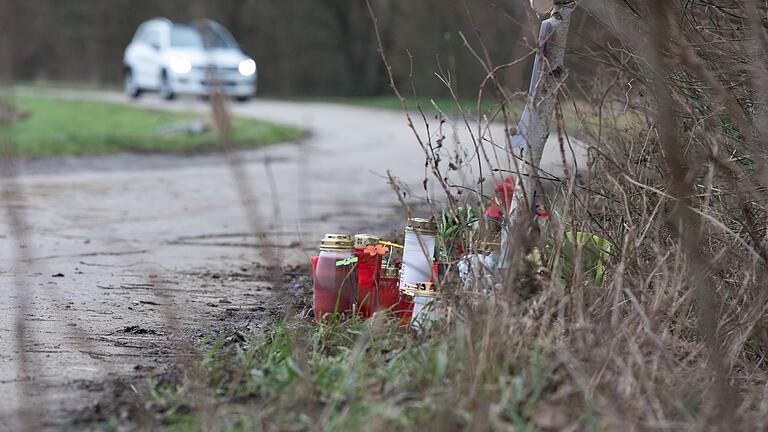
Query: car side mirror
[155,46]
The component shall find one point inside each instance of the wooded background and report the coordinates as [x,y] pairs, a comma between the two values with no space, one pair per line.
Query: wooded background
[302,47]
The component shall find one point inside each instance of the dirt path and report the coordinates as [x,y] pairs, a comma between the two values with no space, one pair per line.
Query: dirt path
[119,245]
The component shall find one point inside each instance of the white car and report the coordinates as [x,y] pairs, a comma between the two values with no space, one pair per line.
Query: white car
[194,58]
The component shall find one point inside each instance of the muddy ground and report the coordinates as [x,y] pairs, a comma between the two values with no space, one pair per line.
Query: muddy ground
[120,405]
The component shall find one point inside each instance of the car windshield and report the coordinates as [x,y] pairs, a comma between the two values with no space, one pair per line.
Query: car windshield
[187,36]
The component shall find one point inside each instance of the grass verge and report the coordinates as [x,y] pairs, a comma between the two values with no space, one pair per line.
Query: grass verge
[489,107]
[65,127]
[429,105]
[361,376]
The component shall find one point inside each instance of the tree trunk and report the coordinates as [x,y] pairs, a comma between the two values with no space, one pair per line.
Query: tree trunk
[533,129]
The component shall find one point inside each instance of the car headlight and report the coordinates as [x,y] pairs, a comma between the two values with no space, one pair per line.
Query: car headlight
[180,65]
[247,67]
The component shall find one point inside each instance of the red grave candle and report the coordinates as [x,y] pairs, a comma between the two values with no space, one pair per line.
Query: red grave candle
[389,288]
[313,261]
[334,289]
[368,267]
[404,308]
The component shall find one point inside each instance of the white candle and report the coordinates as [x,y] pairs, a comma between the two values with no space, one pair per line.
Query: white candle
[426,305]
[418,252]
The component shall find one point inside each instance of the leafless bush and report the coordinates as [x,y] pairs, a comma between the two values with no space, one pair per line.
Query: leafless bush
[674,337]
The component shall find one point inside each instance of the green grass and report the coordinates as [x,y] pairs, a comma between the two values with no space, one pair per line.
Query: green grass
[350,376]
[427,104]
[489,107]
[446,105]
[66,127]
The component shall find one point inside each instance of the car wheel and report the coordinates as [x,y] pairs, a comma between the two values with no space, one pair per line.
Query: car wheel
[166,92]
[129,85]
[242,98]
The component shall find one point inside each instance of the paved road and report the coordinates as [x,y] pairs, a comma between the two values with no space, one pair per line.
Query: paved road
[119,245]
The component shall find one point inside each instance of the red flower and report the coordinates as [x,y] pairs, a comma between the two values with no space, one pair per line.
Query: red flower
[505,190]
[493,211]
[503,199]
[541,213]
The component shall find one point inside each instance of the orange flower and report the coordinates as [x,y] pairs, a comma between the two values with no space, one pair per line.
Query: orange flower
[377,249]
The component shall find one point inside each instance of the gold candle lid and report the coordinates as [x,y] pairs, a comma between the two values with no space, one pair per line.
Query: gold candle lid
[488,247]
[421,225]
[390,272]
[364,240]
[336,241]
[424,289]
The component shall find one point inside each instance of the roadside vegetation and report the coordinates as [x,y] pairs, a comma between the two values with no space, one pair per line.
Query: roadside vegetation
[49,126]
[637,303]
[366,376]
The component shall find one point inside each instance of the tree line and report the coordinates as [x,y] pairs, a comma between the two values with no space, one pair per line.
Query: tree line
[318,47]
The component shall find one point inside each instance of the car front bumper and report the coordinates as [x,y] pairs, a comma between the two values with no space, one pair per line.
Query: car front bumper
[201,82]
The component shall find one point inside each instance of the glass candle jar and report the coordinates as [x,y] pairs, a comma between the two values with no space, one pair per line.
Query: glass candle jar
[426,306]
[404,307]
[368,267]
[389,288]
[418,251]
[334,289]
[313,261]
